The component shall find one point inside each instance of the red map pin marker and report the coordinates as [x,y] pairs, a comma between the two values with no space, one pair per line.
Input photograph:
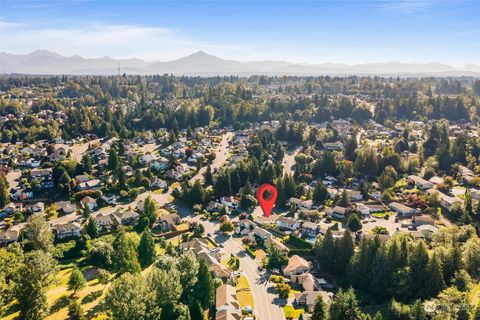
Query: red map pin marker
[266,202]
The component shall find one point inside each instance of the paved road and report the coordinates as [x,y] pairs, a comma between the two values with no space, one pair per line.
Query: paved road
[266,302]
[222,156]
[267,305]
[289,161]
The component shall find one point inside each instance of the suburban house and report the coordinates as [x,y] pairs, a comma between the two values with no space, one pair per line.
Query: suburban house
[245,226]
[168,222]
[354,195]
[230,202]
[127,217]
[402,210]
[333,146]
[67,230]
[420,182]
[310,229]
[465,174]
[211,257]
[82,178]
[110,199]
[422,220]
[447,202]
[158,183]
[89,202]
[65,206]
[368,209]
[307,281]
[226,303]
[288,223]
[296,265]
[106,221]
[336,212]
[35,209]
[11,208]
[307,299]
[436,180]
[93,184]
[10,235]
[300,204]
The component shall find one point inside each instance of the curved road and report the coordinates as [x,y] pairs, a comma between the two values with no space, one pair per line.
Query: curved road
[267,305]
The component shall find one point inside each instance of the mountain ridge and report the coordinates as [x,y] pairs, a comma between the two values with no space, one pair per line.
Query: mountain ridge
[201,63]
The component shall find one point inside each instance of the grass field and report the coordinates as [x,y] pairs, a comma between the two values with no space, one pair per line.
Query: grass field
[58,297]
[475,295]
[244,296]
[291,313]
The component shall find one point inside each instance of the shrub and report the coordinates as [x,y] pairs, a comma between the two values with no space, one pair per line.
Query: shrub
[299,242]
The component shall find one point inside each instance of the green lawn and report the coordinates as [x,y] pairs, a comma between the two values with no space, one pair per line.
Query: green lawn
[291,313]
[244,296]
[475,294]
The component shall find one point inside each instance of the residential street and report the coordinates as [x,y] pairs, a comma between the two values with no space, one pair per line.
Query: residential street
[289,161]
[267,304]
[222,156]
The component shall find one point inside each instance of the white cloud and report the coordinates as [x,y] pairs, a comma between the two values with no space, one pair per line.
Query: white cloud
[409,6]
[95,40]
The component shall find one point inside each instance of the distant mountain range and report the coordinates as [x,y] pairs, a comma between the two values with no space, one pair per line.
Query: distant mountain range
[203,64]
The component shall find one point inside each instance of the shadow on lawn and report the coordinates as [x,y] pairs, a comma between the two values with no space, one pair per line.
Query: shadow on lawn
[92,296]
[61,302]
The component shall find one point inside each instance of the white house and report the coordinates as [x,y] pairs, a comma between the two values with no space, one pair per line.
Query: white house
[420,182]
[67,230]
[402,209]
[288,223]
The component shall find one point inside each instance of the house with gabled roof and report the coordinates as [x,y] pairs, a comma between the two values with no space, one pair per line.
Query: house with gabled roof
[226,304]
[296,265]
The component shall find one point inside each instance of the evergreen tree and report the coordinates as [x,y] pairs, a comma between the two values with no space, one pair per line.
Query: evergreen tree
[353,223]
[345,306]
[344,200]
[75,311]
[196,194]
[146,249]
[418,313]
[435,282]
[92,228]
[76,281]
[319,309]
[204,288]
[418,269]
[320,193]
[87,163]
[34,276]
[125,254]
[208,176]
[149,210]
[345,250]
[4,192]
[196,311]
[113,160]
[350,148]
[326,252]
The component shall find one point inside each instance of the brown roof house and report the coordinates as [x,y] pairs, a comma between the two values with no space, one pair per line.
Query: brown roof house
[307,281]
[168,222]
[307,299]
[296,265]
[226,303]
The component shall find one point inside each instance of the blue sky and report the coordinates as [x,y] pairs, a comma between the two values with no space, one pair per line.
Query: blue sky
[301,31]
